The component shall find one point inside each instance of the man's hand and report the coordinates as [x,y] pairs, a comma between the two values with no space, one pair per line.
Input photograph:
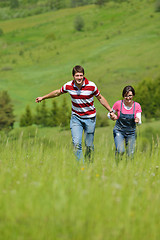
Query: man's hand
[53,94]
[39,99]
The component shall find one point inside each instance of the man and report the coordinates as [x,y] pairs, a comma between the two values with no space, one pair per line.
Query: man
[83,116]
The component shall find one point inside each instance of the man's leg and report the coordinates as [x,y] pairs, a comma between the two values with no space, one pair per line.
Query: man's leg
[76,131]
[89,130]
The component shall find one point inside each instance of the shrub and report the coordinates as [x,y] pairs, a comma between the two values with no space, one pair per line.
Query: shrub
[56,4]
[64,114]
[148,95]
[100,2]
[26,119]
[79,23]
[7,117]
[157,6]
[1,32]
[50,37]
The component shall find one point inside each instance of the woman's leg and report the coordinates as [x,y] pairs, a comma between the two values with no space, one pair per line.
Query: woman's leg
[119,144]
[130,144]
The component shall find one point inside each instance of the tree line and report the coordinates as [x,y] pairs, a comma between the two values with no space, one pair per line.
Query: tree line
[47,117]
[25,8]
[42,116]
[53,4]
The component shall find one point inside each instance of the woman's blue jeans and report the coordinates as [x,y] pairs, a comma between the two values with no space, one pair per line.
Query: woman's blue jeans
[78,125]
[120,138]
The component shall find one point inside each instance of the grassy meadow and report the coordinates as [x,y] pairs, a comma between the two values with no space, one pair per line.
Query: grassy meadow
[44,192]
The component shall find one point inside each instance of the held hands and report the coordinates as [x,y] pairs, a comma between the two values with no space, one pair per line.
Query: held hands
[39,99]
[113,116]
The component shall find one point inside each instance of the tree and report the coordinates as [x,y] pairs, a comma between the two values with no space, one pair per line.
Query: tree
[26,118]
[100,2]
[54,115]
[77,3]
[7,117]
[64,114]
[14,3]
[148,95]
[56,4]
[42,116]
[37,117]
[1,32]
[157,6]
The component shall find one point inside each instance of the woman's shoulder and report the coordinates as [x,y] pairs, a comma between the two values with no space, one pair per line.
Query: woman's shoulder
[137,106]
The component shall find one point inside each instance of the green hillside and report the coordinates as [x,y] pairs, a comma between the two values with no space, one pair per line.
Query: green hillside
[119,45]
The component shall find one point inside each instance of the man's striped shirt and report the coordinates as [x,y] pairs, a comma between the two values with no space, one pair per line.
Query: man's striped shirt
[82,99]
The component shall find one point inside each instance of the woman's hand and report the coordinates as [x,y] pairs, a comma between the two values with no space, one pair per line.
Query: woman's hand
[136,120]
[113,116]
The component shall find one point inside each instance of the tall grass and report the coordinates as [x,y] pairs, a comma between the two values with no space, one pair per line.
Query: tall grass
[46,194]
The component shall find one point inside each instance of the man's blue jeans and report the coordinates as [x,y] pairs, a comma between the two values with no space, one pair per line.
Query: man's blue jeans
[120,138]
[77,126]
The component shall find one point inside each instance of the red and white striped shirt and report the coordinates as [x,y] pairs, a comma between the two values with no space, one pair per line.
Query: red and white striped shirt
[82,99]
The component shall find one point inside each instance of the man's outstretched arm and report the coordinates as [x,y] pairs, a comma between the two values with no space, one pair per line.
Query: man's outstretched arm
[53,94]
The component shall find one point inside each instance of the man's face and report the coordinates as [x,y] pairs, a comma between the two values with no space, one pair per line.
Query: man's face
[78,78]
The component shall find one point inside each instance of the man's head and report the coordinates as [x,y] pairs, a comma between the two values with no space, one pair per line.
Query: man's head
[78,74]
[77,69]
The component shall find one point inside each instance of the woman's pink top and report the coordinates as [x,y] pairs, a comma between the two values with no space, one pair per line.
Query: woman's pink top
[117,108]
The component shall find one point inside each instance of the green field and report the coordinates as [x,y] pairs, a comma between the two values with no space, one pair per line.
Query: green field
[119,45]
[44,192]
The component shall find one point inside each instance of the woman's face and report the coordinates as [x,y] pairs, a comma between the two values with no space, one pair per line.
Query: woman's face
[128,97]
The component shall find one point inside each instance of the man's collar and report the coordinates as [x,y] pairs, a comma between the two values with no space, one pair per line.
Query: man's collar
[86,81]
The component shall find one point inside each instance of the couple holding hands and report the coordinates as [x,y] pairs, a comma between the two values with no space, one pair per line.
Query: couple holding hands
[126,113]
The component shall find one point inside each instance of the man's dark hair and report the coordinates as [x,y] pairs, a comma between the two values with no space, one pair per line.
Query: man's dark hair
[127,89]
[78,69]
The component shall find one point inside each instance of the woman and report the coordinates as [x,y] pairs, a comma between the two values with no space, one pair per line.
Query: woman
[127,113]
